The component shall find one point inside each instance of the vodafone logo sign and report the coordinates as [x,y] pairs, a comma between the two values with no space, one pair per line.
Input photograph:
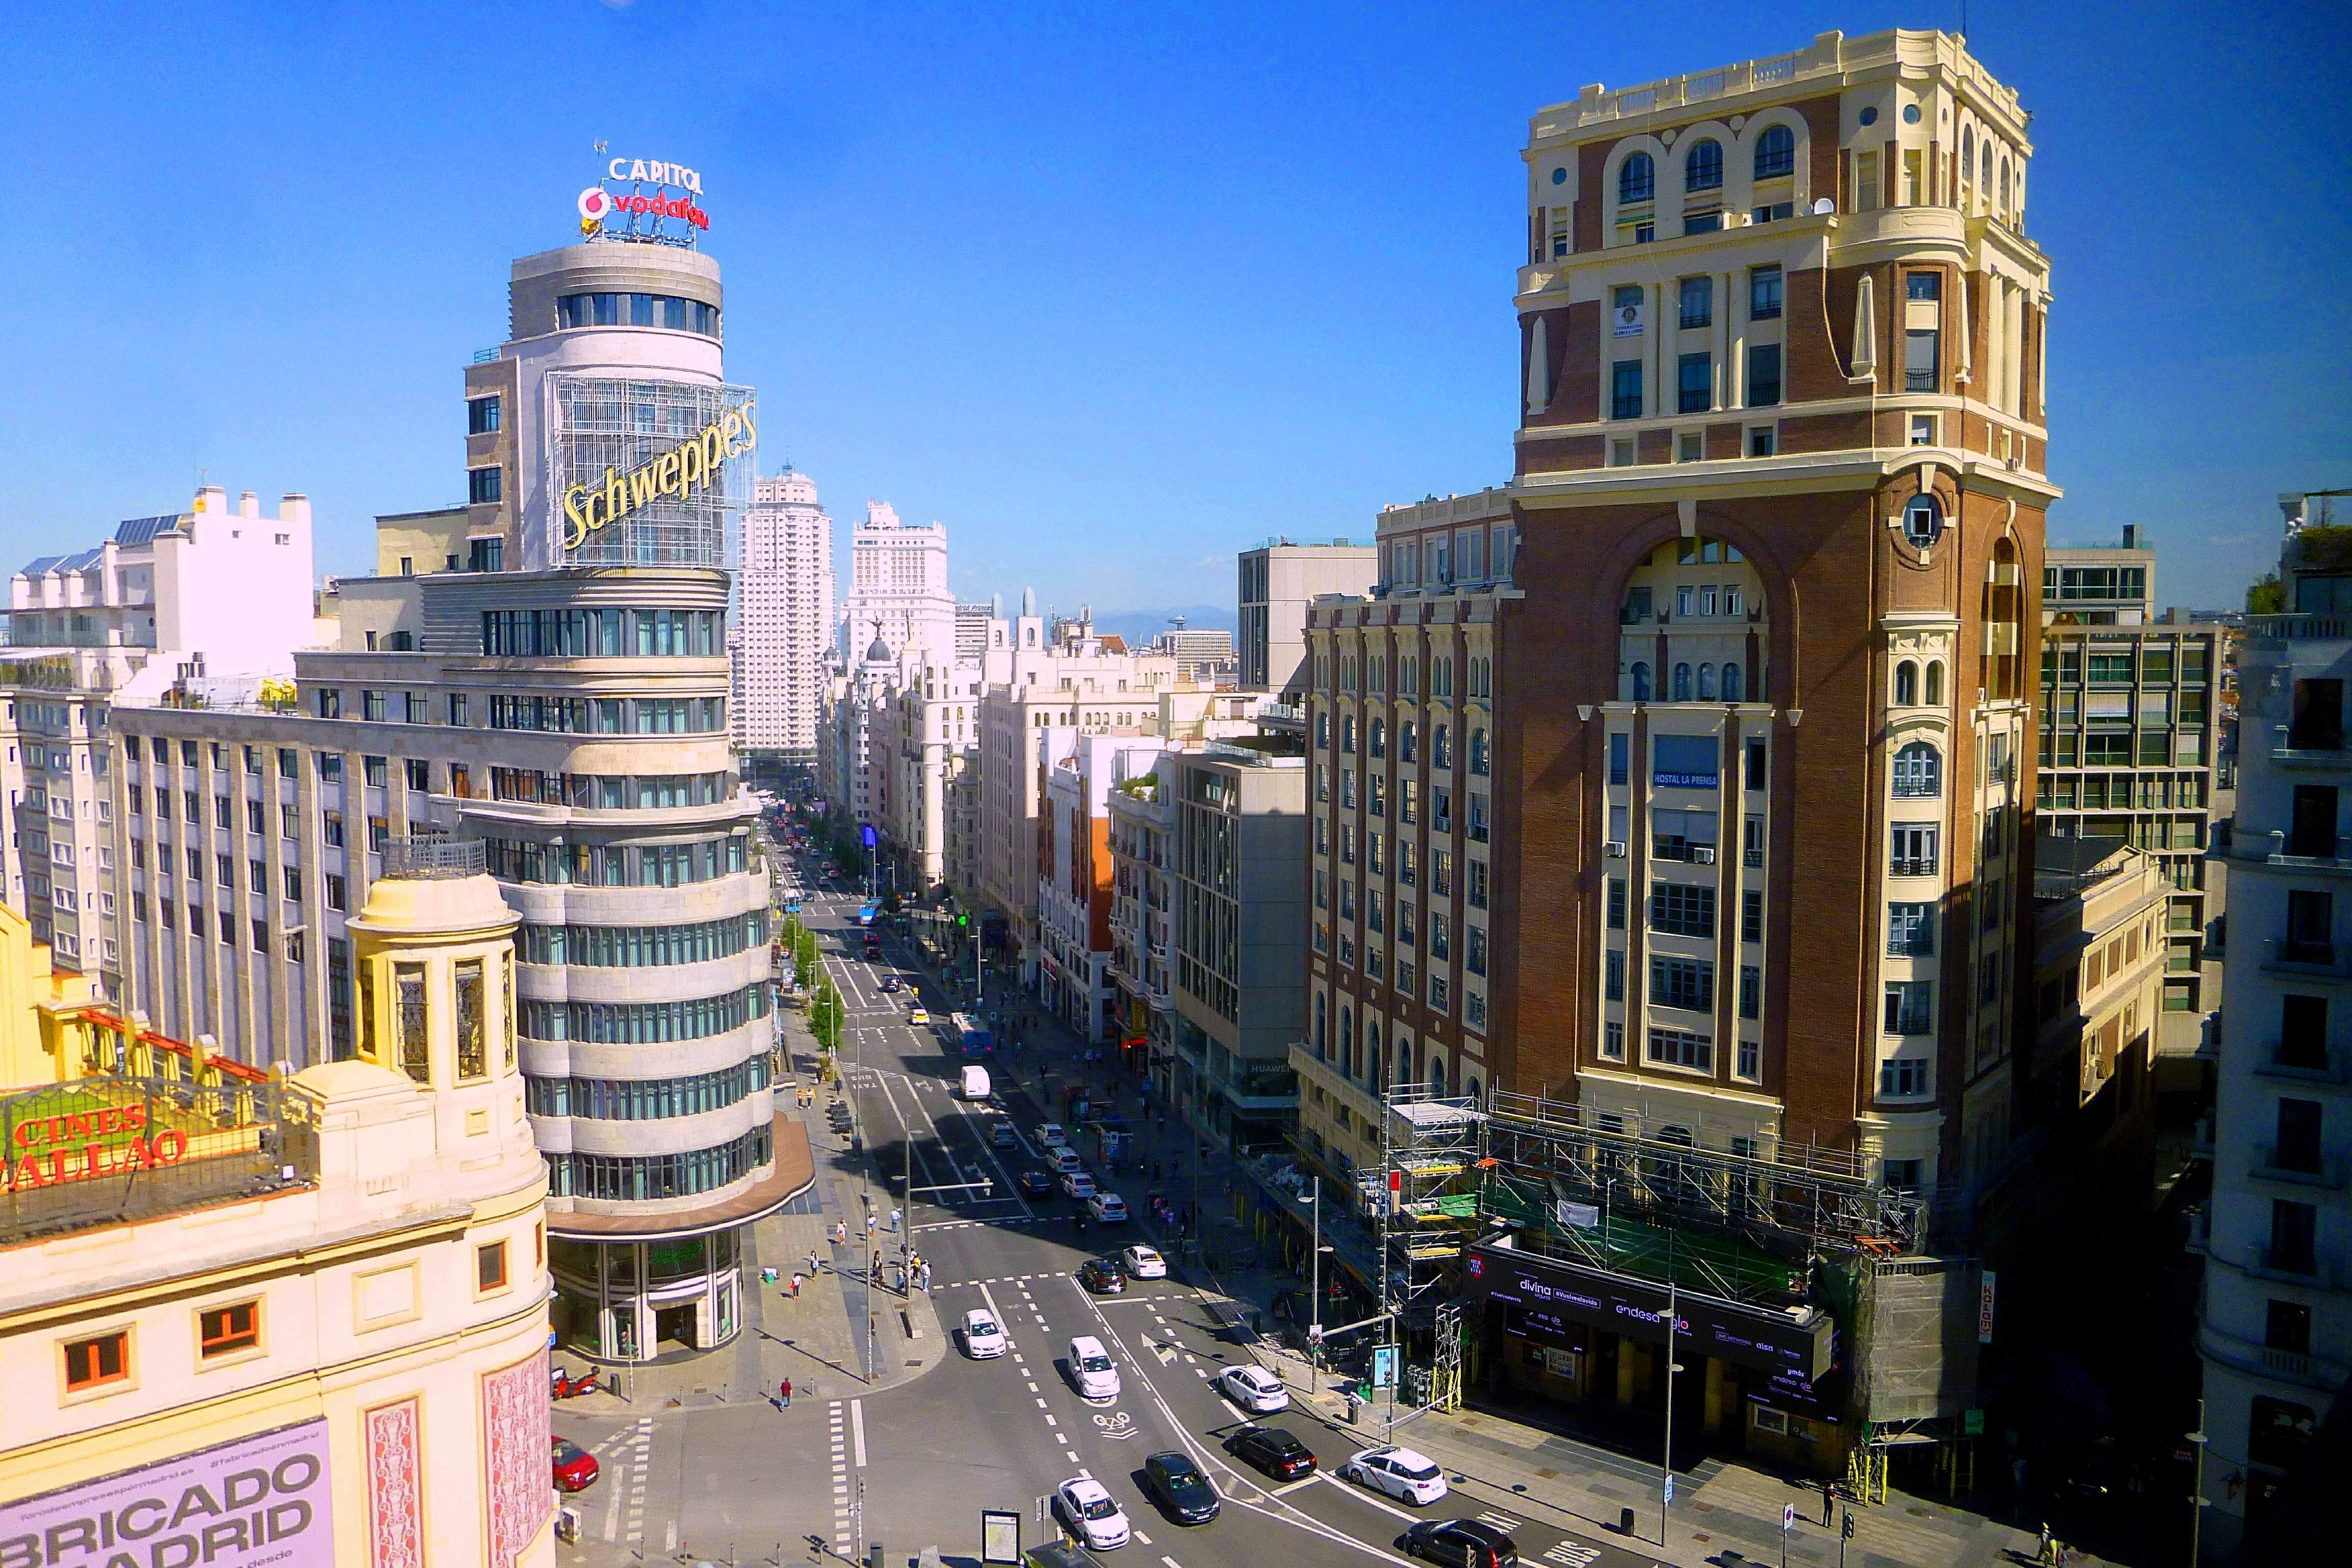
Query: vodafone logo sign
[653,193]
[596,206]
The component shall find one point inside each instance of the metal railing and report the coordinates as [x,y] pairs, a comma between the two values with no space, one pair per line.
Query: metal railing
[431,856]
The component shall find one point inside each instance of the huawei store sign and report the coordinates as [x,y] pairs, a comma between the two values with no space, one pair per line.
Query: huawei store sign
[650,193]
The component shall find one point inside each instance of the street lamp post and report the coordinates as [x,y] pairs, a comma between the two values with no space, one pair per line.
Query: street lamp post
[1314,1287]
[2197,1441]
[1666,1460]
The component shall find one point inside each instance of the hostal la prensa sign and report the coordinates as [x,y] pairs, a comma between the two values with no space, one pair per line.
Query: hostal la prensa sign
[695,464]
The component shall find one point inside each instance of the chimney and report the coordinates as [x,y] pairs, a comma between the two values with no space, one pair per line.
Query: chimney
[249,504]
[294,507]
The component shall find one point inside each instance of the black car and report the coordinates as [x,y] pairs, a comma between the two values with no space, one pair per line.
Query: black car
[1460,1543]
[1273,1450]
[1181,1489]
[889,983]
[1036,1185]
[1103,1276]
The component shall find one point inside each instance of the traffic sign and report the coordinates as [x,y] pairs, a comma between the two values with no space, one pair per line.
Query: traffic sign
[1788,1517]
[1670,1492]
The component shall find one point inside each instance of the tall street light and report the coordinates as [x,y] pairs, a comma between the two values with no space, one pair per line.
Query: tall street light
[2197,1505]
[1666,1460]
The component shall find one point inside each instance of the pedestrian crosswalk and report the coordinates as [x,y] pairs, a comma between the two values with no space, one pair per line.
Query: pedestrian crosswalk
[843,1505]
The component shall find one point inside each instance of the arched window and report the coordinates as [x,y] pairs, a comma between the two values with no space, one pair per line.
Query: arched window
[1918,770]
[1322,732]
[1776,153]
[1372,1053]
[1470,1088]
[1706,683]
[2004,187]
[1348,734]
[1934,683]
[1378,737]
[1967,154]
[1984,170]
[1322,1045]
[1637,179]
[1436,1076]
[1348,1040]
[1478,757]
[1641,681]
[1441,747]
[1923,521]
[1734,684]
[1702,166]
[1408,742]
[1682,683]
[1907,684]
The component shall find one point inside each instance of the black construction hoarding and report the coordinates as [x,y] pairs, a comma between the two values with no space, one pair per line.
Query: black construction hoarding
[1745,1336]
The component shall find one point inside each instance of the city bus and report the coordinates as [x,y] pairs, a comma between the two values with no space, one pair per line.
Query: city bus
[867,910]
[972,1037]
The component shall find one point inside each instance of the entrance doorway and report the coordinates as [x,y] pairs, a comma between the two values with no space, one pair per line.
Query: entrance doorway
[674,1327]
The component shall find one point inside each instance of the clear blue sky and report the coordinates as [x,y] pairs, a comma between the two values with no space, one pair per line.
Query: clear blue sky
[1112,290]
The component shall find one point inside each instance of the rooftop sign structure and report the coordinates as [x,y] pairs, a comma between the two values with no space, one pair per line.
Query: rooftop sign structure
[649,202]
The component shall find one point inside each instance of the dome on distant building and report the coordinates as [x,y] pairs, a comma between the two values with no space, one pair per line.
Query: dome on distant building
[879,652]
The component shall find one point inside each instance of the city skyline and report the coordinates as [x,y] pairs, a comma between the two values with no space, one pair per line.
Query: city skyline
[996,366]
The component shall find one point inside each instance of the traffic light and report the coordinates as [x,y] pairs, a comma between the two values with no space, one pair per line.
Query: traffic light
[1845,1530]
[963,917]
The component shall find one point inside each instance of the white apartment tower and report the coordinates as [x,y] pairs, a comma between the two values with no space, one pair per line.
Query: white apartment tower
[785,588]
[898,583]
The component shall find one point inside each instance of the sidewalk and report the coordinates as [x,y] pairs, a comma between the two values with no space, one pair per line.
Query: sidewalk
[821,1341]
[1726,1512]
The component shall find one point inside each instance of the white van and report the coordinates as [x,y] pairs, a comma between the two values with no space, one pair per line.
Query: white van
[1091,1368]
[975,1083]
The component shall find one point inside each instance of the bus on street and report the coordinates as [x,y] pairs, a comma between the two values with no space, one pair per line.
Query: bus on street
[972,1037]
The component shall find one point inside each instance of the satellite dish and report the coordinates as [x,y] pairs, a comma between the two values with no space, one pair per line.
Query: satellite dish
[1825,207]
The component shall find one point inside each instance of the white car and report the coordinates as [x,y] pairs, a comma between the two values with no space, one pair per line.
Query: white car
[1050,1135]
[1143,1262]
[1064,1160]
[1091,1515]
[983,1337]
[1254,1389]
[1109,1208]
[1401,1473]
[1078,1184]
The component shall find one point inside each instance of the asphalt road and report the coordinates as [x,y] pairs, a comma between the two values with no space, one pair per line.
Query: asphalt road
[925,1459]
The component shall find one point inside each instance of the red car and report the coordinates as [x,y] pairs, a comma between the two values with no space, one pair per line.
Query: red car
[575,1467]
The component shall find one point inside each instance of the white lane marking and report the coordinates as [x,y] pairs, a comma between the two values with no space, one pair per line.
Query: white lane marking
[1286,1489]
[1142,1539]
[857,1430]
[1368,1496]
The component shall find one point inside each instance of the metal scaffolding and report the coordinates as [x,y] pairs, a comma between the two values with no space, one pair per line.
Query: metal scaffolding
[598,424]
[1431,1152]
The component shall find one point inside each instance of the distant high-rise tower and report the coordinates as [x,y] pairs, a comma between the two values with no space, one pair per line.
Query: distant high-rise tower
[785,587]
[899,578]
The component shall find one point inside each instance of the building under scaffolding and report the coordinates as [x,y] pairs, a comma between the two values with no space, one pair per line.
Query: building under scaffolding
[1822,1333]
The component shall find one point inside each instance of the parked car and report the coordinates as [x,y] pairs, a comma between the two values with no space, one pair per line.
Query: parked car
[1254,1389]
[1087,1508]
[575,1467]
[1273,1450]
[1402,1473]
[1143,1262]
[1461,1543]
[1181,1489]
[1036,1185]
[983,1337]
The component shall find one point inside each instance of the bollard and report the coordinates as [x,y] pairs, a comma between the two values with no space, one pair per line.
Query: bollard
[877,1556]
[1625,1521]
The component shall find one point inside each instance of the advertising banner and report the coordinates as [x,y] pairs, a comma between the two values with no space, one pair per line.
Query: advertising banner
[259,1499]
[1749,1336]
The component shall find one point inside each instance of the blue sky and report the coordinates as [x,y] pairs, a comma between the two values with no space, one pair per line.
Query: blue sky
[1112,290]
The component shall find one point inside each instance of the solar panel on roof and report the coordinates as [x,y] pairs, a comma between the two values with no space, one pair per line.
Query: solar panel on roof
[143,529]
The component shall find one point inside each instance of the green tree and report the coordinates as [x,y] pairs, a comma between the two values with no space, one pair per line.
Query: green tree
[2267,597]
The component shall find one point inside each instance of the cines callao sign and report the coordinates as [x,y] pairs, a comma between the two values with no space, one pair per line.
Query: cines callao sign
[693,465]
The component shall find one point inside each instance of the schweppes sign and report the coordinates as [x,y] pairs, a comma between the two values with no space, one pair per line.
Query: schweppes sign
[693,465]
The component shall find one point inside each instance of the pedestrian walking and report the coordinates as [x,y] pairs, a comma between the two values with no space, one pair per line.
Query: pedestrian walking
[894,1221]
[872,1221]
[794,1292]
[785,1394]
[925,1278]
